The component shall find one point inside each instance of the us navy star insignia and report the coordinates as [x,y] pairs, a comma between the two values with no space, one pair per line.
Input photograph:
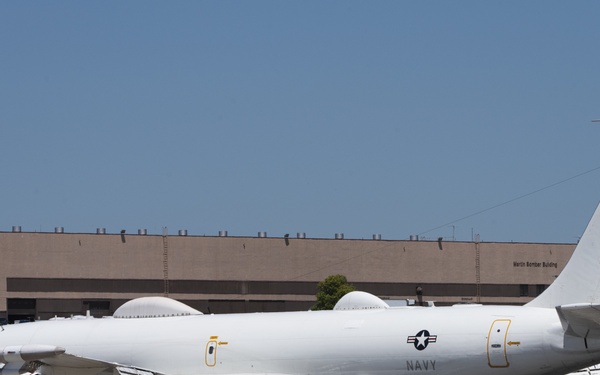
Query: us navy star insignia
[421,339]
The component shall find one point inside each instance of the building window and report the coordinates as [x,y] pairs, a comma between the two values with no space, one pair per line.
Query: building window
[97,308]
[97,305]
[524,290]
[539,289]
[21,303]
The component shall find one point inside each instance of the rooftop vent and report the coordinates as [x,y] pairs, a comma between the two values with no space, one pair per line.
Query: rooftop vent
[222,233]
[59,230]
[16,229]
[339,236]
[300,235]
[377,237]
[142,232]
[100,230]
[183,232]
[262,234]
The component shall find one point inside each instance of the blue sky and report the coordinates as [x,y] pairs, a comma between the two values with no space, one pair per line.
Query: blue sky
[357,117]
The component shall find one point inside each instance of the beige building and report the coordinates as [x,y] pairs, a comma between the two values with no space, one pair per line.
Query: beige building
[48,274]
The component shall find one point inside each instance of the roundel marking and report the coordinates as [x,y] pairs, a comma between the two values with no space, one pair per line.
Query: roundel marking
[422,339]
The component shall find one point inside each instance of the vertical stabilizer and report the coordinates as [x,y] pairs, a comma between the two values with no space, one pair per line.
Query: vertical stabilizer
[579,282]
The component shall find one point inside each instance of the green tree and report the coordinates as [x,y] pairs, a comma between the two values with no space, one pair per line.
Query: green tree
[330,291]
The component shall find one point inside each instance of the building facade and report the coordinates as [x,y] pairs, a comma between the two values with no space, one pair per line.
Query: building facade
[43,275]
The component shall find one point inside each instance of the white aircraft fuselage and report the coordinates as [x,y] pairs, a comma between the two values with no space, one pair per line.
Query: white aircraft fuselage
[464,339]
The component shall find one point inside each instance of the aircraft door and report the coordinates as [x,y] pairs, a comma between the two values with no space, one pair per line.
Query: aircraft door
[210,355]
[496,344]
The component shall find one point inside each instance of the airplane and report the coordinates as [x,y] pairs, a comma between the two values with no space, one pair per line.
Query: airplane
[594,370]
[556,333]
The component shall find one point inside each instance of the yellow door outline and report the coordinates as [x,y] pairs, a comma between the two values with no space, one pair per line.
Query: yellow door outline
[496,343]
[210,354]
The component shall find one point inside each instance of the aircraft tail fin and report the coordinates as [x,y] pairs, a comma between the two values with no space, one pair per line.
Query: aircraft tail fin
[579,282]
